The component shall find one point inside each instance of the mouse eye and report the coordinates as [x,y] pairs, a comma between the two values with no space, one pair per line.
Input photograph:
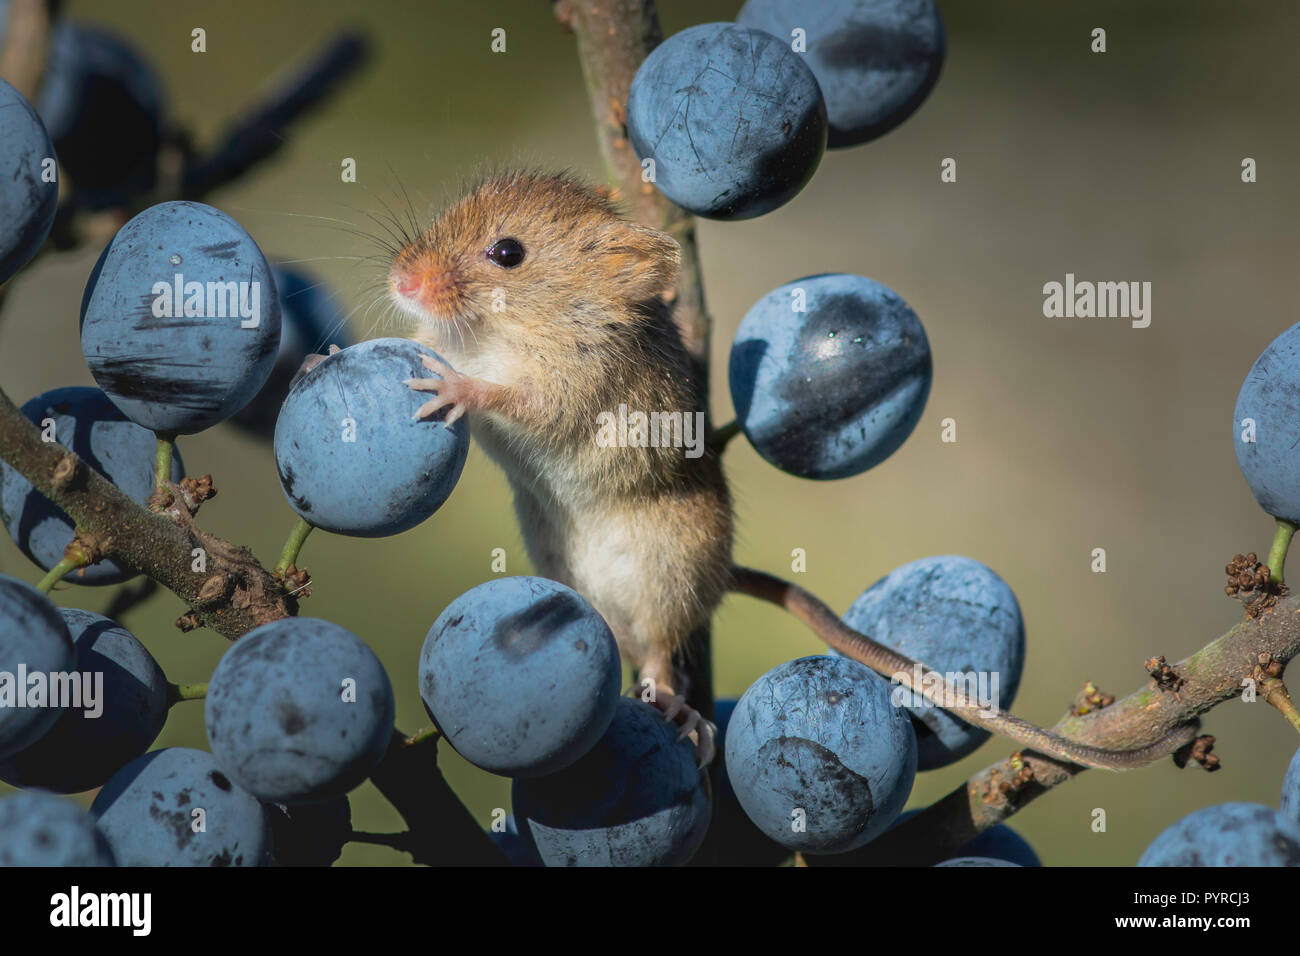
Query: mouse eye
[507,253]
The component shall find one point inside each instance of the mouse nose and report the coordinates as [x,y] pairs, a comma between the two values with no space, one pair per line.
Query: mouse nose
[408,286]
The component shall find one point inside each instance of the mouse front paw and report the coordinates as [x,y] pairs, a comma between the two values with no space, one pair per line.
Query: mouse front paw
[453,391]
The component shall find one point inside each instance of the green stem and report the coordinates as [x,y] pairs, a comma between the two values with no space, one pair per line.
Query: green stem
[57,573]
[723,434]
[163,463]
[1275,693]
[1277,554]
[421,736]
[289,556]
[179,692]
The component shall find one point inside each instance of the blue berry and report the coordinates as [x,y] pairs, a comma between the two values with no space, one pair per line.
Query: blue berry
[178,355]
[1230,834]
[819,757]
[836,388]
[1002,843]
[27,202]
[1291,789]
[299,710]
[123,452]
[347,428]
[634,799]
[88,744]
[731,117]
[34,643]
[150,813]
[521,675]
[39,829]
[103,104]
[1270,397]
[957,616]
[875,60]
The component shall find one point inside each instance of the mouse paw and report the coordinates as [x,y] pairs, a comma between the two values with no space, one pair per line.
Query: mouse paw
[310,362]
[691,723]
[455,392]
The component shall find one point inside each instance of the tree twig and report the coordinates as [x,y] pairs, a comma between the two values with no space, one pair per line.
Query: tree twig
[27,39]
[1211,676]
[613,38]
[232,595]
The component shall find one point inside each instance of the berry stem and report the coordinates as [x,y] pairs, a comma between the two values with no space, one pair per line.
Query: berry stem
[723,434]
[422,735]
[1276,693]
[1277,554]
[163,463]
[58,572]
[179,692]
[289,556]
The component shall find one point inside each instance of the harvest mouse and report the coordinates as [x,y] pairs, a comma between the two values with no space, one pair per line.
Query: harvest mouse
[549,306]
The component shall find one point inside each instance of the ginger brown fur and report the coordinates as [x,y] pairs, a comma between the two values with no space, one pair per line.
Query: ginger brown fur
[540,349]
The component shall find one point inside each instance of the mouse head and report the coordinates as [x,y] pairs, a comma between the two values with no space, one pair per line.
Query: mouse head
[525,252]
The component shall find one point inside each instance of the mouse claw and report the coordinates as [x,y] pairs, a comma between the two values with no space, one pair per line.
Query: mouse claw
[691,724]
[438,366]
[308,363]
[455,392]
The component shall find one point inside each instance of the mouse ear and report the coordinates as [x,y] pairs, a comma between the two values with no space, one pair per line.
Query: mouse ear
[642,262]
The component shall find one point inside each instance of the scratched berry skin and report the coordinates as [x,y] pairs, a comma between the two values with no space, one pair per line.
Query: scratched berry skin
[147,812]
[27,203]
[521,675]
[816,741]
[957,616]
[1270,397]
[1229,834]
[178,364]
[1291,789]
[732,119]
[120,450]
[829,375]
[40,829]
[351,457]
[634,799]
[33,636]
[875,60]
[299,710]
[88,744]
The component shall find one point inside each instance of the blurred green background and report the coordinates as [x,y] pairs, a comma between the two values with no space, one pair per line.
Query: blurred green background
[1072,434]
